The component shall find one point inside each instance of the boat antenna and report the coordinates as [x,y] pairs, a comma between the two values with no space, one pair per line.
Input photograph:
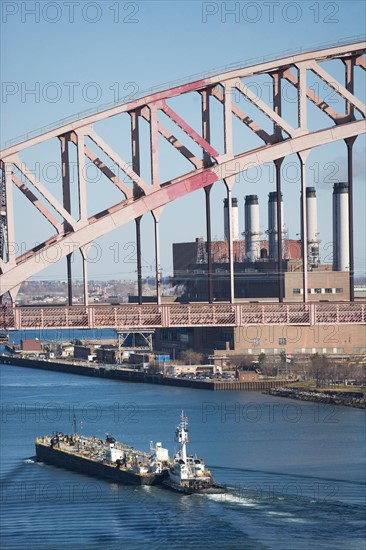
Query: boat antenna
[74,422]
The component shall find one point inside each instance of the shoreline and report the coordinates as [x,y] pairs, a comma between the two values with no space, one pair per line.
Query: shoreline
[327,397]
[129,375]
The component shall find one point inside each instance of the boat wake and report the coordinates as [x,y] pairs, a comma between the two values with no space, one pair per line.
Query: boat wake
[231,498]
[247,471]
[30,460]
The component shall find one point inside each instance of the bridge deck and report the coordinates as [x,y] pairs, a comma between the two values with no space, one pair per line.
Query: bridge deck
[150,316]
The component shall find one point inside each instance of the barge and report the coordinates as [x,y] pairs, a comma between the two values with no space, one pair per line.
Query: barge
[114,461]
[106,459]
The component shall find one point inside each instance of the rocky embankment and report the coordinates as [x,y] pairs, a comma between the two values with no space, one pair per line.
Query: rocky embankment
[348,399]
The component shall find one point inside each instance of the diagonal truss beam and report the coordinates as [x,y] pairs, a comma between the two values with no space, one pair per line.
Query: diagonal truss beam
[122,213]
[361,62]
[247,92]
[163,106]
[124,166]
[257,67]
[197,163]
[337,87]
[141,197]
[37,203]
[243,117]
[108,173]
[310,94]
[105,169]
[44,192]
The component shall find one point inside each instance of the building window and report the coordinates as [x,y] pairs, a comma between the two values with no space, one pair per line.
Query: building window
[339,290]
[317,290]
[282,341]
[256,341]
[295,291]
[328,291]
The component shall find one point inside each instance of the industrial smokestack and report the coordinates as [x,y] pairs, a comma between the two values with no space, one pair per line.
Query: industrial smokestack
[312,227]
[234,219]
[252,231]
[340,227]
[273,226]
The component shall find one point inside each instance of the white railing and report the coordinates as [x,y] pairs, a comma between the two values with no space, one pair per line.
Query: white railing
[181,315]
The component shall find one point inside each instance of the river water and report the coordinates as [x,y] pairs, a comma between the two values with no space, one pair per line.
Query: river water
[295,471]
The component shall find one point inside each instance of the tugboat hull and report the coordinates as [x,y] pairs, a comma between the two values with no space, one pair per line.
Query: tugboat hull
[212,489]
[85,465]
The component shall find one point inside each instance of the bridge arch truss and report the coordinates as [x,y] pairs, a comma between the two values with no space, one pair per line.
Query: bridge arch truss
[139,196]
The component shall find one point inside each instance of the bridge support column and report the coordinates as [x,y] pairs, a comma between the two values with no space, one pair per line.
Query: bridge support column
[66,204]
[206,125]
[84,255]
[69,279]
[228,120]
[229,184]
[312,313]
[13,294]
[154,146]
[304,249]
[135,147]
[302,97]
[278,164]
[277,107]
[206,134]
[156,215]
[208,248]
[83,213]
[138,259]
[349,143]
[135,139]
[349,66]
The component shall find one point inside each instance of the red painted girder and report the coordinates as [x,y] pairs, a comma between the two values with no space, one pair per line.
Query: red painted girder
[128,210]
[336,52]
[187,128]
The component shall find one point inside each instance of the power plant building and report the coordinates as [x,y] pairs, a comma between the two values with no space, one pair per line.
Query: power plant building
[256,265]
[256,280]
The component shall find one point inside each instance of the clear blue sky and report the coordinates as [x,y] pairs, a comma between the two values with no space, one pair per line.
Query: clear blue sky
[94,51]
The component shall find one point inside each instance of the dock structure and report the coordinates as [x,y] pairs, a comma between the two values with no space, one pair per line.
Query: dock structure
[131,375]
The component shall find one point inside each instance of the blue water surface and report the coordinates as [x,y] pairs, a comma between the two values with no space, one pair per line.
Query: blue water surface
[295,470]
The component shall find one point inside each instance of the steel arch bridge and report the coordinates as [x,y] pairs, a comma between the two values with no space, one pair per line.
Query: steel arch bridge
[140,196]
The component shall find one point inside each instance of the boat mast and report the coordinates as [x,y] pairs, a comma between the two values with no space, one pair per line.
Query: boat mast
[182,436]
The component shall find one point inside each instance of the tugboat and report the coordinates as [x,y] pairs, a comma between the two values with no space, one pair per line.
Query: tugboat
[188,473]
[105,459]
